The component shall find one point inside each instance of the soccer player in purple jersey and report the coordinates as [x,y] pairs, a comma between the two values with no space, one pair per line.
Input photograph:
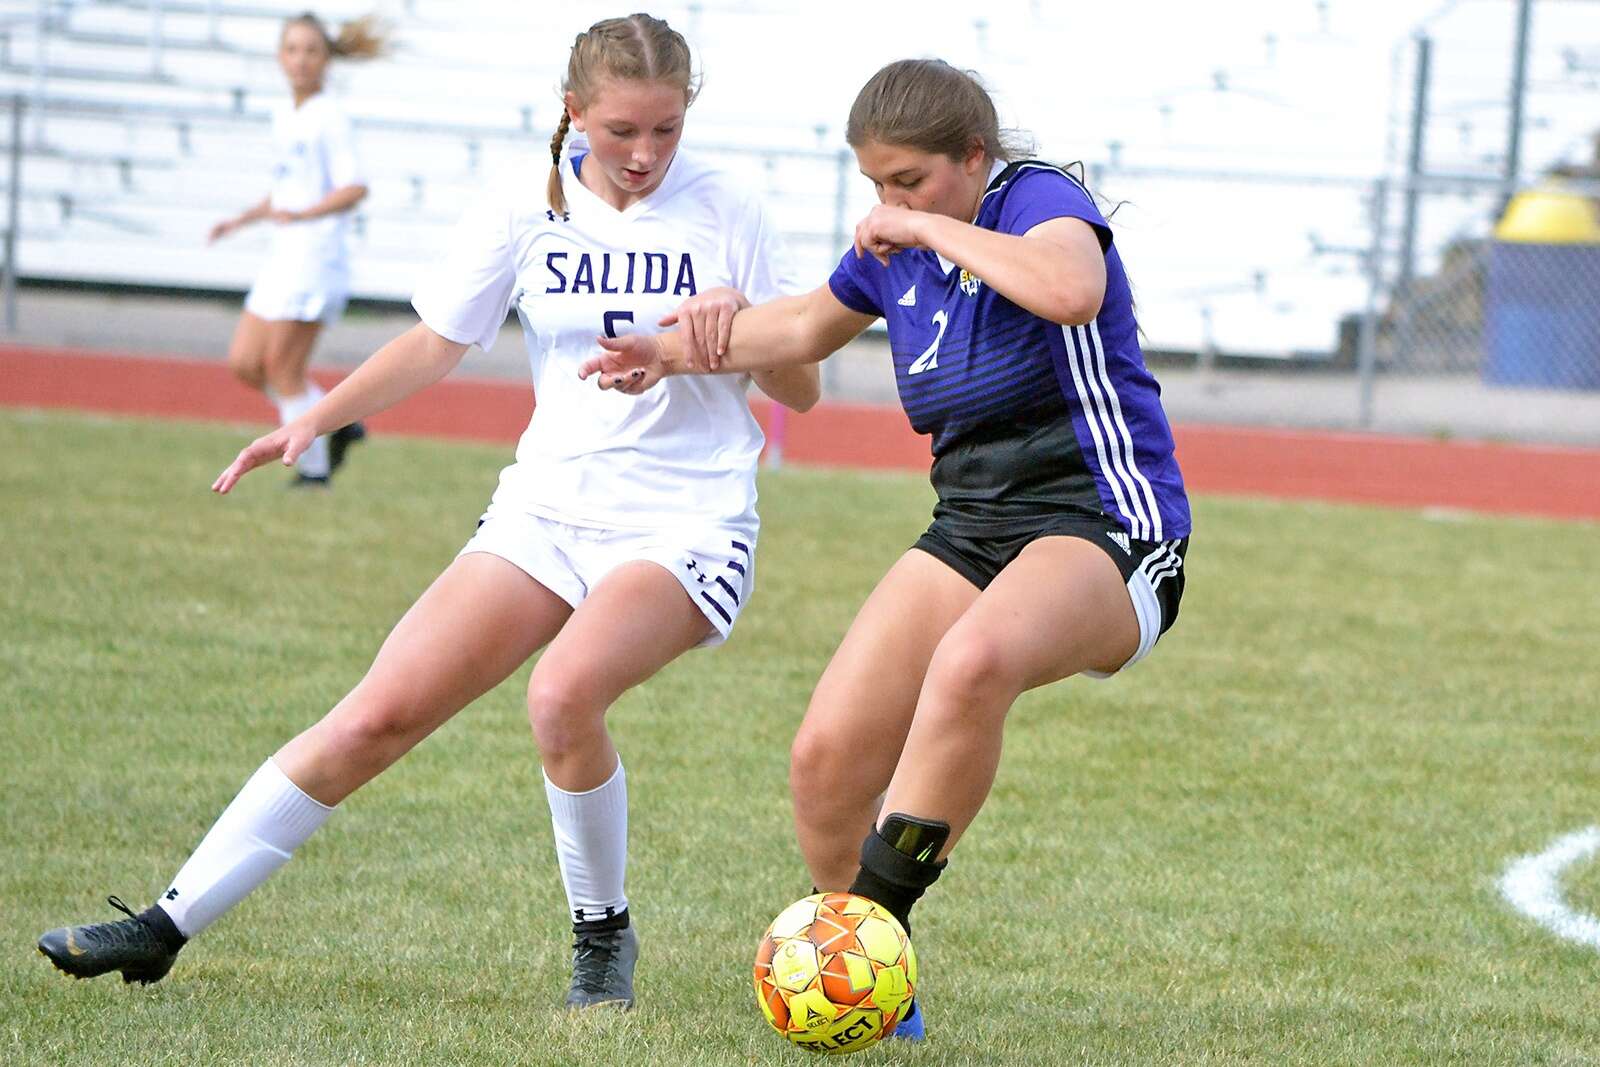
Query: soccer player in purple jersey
[1058,540]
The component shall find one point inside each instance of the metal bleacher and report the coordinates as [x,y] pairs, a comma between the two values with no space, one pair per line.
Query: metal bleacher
[143,122]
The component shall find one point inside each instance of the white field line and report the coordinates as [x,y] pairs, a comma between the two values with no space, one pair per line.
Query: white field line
[1532,884]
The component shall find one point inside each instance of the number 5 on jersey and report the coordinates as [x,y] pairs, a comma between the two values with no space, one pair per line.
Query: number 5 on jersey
[930,358]
[612,318]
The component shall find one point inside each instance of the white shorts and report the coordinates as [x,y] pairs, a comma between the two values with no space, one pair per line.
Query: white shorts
[305,278]
[277,299]
[715,566]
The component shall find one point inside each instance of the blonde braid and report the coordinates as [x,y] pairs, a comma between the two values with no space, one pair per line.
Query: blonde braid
[554,193]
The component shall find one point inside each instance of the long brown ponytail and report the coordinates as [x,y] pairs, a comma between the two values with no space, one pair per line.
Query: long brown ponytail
[366,37]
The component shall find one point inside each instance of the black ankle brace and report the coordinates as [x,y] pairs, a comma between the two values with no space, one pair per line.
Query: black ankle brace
[164,928]
[892,878]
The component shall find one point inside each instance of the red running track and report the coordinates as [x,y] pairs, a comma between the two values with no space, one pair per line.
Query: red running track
[1364,468]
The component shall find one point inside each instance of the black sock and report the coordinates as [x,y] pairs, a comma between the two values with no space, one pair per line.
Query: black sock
[164,928]
[892,878]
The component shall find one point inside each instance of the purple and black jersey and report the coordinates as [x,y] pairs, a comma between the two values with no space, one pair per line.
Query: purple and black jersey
[1027,415]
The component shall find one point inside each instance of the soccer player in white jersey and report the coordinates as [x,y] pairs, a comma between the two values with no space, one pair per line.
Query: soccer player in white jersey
[303,285]
[633,521]
[1058,540]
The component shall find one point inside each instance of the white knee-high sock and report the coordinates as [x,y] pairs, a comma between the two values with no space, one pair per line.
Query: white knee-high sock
[591,831]
[313,462]
[255,835]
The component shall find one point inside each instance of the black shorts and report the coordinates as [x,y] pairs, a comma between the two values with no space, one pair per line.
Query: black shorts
[1152,569]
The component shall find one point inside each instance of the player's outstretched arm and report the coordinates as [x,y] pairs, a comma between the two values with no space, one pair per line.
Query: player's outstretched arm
[411,362]
[783,333]
[254,213]
[706,321]
[796,388]
[336,202]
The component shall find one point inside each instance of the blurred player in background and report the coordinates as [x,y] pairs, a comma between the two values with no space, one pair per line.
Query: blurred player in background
[634,519]
[1058,539]
[316,183]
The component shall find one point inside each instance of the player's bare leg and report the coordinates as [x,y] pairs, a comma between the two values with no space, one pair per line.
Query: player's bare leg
[1059,609]
[846,749]
[247,352]
[289,345]
[478,621]
[635,621]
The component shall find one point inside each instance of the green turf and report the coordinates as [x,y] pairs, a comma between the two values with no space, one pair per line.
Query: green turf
[1276,842]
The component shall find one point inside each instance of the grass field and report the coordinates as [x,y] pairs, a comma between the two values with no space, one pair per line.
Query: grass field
[1275,842]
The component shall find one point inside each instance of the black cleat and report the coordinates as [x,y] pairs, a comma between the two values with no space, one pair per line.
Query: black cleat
[340,440]
[310,481]
[142,947]
[602,969]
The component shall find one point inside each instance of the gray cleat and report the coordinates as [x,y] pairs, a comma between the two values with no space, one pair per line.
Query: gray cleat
[602,969]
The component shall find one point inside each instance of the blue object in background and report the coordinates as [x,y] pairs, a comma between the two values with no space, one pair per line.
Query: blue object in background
[1542,315]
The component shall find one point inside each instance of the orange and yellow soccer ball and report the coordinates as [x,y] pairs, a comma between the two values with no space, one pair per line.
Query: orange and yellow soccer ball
[835,972]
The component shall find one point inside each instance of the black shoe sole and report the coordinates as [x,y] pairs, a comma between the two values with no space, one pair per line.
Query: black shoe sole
[142,977]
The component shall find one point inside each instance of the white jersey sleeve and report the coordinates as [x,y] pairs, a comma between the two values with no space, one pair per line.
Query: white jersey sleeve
[466,296]
[343,167]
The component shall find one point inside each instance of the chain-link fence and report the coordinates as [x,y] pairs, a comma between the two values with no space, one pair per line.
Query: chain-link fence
[1515,304]
[1486,251]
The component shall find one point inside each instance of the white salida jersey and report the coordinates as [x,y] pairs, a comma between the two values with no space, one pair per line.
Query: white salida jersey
[682,454]
[314,152]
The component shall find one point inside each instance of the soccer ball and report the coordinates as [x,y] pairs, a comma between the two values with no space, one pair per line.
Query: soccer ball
[835,972]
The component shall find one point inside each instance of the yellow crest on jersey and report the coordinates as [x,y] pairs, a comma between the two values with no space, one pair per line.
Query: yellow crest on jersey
[969,282]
